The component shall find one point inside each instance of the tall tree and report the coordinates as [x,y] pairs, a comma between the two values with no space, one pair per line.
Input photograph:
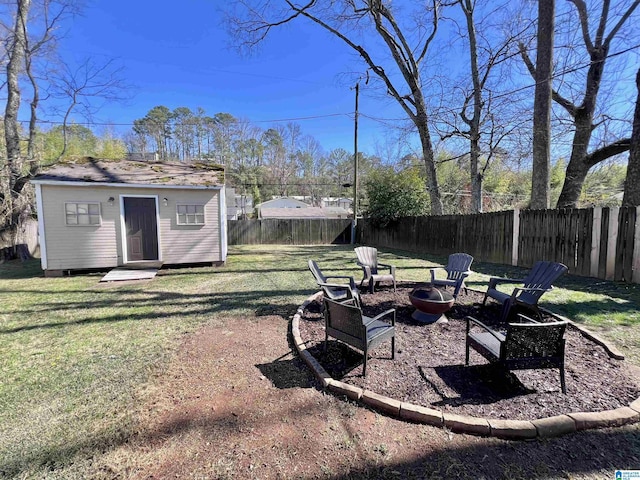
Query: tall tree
[631,196]
[224,132]
[540,180]
[184,133]
[483,119]
[156,125]
[13,175]
[32,66]
[400,69]
[581,102]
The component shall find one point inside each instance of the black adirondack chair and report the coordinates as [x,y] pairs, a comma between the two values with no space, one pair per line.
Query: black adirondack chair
[539,281]
[458,268]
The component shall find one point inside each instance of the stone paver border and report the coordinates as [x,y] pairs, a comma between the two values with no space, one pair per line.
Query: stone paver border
[509,429]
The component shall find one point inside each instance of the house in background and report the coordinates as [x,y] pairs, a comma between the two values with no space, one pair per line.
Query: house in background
[303,198]
[289,213]
[342,202]
[282,202]
[238,205]
[95,214]
[336,212]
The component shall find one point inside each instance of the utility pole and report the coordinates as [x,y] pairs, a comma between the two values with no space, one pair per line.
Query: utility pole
[355,166]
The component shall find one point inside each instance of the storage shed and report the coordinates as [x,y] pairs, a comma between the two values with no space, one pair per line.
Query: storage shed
[96,214]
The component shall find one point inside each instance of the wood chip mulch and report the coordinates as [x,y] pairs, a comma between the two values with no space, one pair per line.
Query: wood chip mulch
[429,366]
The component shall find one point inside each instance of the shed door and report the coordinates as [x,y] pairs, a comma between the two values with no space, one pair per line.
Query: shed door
[142,228]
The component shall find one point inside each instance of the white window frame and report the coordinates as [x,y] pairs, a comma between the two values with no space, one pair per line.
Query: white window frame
[89,215]
[189,204]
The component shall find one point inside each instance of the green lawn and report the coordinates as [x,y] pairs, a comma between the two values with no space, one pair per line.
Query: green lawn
[74,352]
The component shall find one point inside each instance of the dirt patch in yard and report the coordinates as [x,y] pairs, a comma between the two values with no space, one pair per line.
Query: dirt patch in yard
[429,368]
[236,402]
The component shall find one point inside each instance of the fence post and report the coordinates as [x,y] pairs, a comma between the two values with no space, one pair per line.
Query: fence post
[515,243]
[596,234]
[612,241]
[353,231]
[635,276]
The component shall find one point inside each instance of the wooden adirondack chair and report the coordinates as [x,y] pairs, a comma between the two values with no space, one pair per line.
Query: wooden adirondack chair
[335,291]
[346,323]
[368,261]
[458,268]
[539,281]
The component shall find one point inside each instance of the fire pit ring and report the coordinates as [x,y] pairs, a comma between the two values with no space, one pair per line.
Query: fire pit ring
[430,303]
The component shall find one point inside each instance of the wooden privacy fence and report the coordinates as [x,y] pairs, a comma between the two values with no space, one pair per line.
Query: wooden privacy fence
[597,242]
[488,236]
[23,244]
[289,231]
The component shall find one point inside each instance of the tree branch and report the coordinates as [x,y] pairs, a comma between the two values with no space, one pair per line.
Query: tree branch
[565,103]
[607,151]
[432,35]
[623,19]
[584,22]
[379,71]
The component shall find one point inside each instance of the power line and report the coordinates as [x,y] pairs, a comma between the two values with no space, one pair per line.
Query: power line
[292,119]
[520,89]
[350,114]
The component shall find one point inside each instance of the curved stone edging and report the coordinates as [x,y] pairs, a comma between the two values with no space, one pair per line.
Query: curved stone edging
[509,429]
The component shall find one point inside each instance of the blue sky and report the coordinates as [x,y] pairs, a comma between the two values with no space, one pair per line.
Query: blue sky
[181,56]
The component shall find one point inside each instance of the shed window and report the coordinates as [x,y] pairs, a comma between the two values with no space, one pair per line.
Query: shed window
[190,214]
[82,213]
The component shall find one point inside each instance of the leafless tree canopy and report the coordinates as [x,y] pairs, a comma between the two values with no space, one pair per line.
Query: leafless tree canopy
[392,42]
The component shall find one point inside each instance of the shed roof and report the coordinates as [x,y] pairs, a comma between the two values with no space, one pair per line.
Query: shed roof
[94,170]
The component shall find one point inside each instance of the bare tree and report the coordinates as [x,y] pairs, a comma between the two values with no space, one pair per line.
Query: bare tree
[582,111]
[483,119]
[631,196]
[84,85]
[407,47]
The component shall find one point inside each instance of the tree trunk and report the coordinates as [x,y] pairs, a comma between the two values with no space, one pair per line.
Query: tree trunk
[16,53]
[430,166]
[577,168]
[31,145]
[583,115]
[540,183]
[632,182]
[12,181]
[474,121]
[476,176]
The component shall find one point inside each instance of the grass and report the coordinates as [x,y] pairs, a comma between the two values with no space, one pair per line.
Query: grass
[76,353]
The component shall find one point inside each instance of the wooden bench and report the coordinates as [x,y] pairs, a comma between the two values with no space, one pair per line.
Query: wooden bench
[526,345]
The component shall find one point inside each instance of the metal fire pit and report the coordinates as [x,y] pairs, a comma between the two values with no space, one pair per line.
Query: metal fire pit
[430,304]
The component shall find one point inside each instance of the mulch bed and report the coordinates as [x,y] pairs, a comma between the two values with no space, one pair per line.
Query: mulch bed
[429,366]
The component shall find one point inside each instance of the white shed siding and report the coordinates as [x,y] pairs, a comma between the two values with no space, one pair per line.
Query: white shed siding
[78,247]
[190,243]
[70,247]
